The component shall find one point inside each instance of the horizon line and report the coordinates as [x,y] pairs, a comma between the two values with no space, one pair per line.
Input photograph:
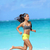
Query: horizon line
[29,19]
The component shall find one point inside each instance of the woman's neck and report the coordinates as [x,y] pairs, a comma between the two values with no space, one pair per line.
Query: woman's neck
[26,21]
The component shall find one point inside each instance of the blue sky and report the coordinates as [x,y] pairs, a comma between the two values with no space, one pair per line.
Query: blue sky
[9,9]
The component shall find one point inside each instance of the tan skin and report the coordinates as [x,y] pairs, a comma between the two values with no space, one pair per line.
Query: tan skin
[26,31]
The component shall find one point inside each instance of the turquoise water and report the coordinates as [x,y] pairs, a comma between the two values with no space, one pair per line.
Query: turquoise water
[40,39]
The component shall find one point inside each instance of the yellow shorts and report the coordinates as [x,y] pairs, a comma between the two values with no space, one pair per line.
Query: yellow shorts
[25,36]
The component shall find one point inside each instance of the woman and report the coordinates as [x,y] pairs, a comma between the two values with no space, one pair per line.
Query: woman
[27,26]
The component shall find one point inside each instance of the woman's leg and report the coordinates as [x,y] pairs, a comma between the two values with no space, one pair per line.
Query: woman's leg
[27,42]
[17,47]
[20,47]
[25,46]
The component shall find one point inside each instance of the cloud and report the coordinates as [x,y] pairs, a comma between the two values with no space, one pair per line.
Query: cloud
[40,2]
[22,5]
[16,4]
[34,4]
[9,6]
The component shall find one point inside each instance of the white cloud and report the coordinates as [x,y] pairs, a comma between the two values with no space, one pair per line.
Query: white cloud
[36,4]
[40,2]
[9,6]
[22,5]
[29,4]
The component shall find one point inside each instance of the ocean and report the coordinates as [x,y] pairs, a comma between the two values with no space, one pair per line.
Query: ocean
[40,39]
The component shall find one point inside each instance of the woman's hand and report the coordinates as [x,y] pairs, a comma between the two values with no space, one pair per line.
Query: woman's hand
[20,33]
[34,30]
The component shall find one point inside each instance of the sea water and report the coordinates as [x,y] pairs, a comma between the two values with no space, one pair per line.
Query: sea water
[40,39]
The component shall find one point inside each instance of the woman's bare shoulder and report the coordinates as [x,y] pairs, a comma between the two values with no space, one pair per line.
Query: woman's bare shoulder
[22,24]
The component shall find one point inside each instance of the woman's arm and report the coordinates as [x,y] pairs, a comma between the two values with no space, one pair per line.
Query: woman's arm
[31,28]
[19,27]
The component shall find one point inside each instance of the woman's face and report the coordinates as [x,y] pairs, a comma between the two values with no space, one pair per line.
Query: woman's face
[27,17]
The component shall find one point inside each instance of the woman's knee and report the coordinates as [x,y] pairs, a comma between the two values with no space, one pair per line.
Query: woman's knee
[30,46]
[24,48]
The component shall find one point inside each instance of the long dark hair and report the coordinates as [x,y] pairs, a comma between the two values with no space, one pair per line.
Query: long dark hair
[20,18]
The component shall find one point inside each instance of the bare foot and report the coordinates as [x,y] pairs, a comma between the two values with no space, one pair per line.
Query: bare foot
[11,47]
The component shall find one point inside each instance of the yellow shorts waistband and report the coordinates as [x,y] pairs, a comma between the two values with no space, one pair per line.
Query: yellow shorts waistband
[26,34]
